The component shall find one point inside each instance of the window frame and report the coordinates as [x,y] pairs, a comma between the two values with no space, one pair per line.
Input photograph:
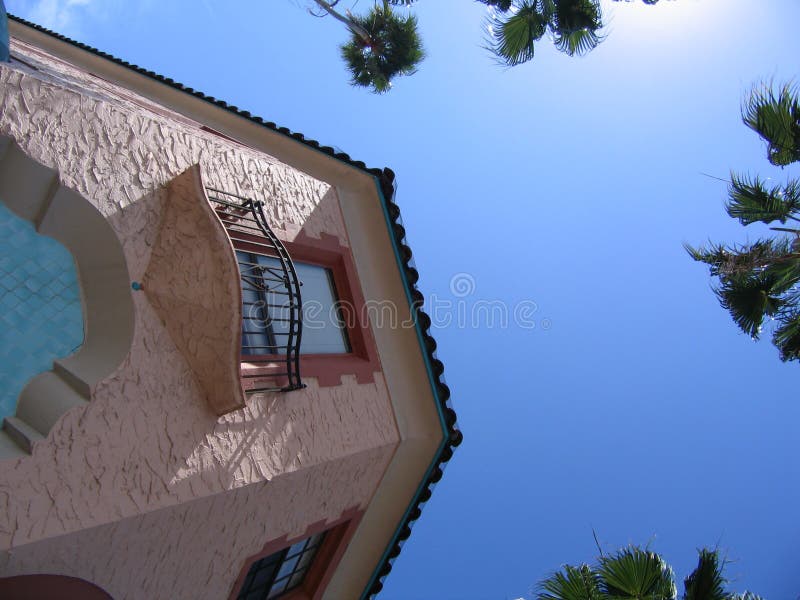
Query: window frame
[272,310]
[278,562]
[362,359]
[337,536]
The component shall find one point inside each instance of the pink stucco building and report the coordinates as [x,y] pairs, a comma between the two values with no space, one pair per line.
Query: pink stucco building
[213,436]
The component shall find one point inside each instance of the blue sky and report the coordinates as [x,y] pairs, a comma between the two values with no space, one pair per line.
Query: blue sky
[634,407]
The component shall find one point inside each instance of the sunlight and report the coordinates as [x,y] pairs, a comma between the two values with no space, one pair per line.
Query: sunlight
[669,20]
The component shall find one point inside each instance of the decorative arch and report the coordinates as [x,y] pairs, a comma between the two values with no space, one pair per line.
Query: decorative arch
[34,193]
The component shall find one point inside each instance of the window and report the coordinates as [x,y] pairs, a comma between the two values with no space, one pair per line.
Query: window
[266,318]
[281,572]
[298,568]
[334,273]
[335,338]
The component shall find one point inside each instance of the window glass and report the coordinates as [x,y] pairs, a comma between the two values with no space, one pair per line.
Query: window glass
[266,308]
[287,567]
[277,589]
[323,331]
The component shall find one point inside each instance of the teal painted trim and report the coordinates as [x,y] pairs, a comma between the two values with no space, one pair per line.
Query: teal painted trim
[4,41]
[432,379]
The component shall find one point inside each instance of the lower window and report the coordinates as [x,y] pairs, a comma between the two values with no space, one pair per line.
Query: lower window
[281,572]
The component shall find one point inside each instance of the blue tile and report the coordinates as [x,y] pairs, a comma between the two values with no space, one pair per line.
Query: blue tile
[40,309]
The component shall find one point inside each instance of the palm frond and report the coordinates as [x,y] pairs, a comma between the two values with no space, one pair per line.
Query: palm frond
[577,42]
[572,15]
[775,116]
[706,581]
[746,258]
[571,583]
[750,201]
[713,255]
[746,596]
[785,273]
[511,37]
[633,573]
[392,47]
[503,5]
[787,336]
[749,298]
[757,281]
[575,25]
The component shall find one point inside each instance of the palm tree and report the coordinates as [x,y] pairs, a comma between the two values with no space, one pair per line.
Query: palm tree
[760,280]
[382,46]
[636,574]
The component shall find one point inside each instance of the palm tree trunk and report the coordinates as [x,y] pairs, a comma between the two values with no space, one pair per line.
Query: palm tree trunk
[352,25]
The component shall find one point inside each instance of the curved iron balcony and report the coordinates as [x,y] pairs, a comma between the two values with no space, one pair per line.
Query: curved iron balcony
[272,322]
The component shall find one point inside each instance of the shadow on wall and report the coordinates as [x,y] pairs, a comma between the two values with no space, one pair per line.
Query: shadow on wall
[272,434]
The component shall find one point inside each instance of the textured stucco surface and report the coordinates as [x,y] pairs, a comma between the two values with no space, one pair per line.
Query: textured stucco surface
[61,116]
[147,440]
[203,543]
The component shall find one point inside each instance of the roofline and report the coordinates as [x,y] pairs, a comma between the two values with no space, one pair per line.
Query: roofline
[451,435]
[384,184]
[168,81]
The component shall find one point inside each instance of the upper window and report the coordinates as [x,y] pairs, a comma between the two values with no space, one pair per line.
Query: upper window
[279,573]
[266,308]
[330,328]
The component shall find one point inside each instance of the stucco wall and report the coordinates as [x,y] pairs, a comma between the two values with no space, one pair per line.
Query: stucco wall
[192,551]
[61,117]
[147,440]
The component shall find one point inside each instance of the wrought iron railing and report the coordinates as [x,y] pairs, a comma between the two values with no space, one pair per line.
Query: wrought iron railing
[272,323]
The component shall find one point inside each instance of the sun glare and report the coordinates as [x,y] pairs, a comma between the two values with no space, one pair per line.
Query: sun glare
[668,20]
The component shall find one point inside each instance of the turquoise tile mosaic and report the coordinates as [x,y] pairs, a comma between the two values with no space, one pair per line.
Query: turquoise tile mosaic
[40,306]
